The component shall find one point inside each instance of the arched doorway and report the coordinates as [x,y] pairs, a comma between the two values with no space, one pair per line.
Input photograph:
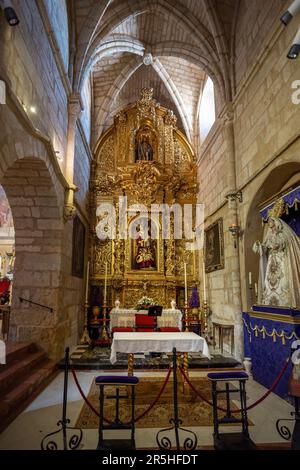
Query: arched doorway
[277,182]
[38,226]
[7,259]
[7,248]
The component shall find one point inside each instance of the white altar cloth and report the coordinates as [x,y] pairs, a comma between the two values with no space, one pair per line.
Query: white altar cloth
[135,342]
[125,318]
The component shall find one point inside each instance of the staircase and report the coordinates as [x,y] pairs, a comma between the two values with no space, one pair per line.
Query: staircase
[26,373]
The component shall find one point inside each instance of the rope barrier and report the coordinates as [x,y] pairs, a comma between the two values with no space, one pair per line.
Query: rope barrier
[158,396]
[253,405]
[139,417]
[186,378]
[81,392]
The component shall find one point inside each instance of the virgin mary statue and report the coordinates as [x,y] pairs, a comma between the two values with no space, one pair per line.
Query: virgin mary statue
[279,274]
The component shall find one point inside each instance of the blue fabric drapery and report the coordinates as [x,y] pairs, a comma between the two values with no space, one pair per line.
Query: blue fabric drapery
[292,198]
[292,215]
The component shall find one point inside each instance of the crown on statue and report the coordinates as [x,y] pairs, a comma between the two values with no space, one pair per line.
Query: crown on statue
[278,209]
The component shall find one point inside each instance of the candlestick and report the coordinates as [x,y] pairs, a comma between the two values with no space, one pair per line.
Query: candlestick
[104,335]
[250,278]
[85,339]
[105,284]
[185,286]
[204,284]
[256,289]
[87,282]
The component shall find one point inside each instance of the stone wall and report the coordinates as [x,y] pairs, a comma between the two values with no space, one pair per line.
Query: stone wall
[256,20]
[33,133]
[58,17]
[28,64]
[266,131]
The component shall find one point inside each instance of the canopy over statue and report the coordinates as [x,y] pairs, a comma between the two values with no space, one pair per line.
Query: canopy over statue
[279,274]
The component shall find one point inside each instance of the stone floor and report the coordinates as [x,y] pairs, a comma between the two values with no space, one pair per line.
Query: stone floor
[40,418]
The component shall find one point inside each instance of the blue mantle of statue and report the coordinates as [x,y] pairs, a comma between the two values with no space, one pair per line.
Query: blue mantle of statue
[268,335]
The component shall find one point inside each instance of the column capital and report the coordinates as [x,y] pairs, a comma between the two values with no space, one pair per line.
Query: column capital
[69,207]
[75,105]
[227,113]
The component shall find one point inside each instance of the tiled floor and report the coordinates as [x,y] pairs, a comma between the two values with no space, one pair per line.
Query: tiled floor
[40,418]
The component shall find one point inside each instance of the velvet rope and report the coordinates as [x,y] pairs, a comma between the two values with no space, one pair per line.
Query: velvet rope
[81,392]
[257,402]
[139,417]
[158,396]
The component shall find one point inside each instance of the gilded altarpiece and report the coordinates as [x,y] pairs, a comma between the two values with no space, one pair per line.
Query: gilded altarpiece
[144,157]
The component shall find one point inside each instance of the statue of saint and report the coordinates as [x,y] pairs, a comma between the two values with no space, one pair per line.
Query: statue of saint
[279,274]
[144,150]
[145,254]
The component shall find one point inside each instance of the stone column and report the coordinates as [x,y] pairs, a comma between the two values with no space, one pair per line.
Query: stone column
[74,110]
[233,248]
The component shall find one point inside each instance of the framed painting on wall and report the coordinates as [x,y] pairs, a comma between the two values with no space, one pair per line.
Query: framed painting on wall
[78,247]
[214,247]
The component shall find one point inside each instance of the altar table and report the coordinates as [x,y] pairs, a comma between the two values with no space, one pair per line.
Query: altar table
[125,318]
[135,342]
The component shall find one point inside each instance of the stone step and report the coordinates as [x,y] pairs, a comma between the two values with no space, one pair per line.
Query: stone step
[25,391]
[13,372]
[16,351]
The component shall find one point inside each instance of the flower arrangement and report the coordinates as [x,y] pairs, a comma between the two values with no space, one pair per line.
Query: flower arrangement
[144,302]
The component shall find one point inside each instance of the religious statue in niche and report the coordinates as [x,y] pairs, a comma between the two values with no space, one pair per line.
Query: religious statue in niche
[144,148]
[144,249]
[279,273]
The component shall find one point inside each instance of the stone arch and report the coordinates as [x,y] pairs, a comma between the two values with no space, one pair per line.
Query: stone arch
[86,35]
[217,29]
[171,87]
[38,245]
[193,55]
[114,91]
[112,46]
[7,244]
[271,185]
[35,188]
[192,26]
[125,75]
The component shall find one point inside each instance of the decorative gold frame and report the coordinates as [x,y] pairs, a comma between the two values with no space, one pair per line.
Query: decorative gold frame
[218,260]
[170,178]
[128,251]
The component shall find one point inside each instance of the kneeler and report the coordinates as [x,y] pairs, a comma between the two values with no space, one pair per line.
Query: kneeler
[230,441]
[116,381]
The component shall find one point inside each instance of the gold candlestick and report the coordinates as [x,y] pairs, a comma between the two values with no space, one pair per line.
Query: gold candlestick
[104,336]
[186,317]
[85,339]
[205,311]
